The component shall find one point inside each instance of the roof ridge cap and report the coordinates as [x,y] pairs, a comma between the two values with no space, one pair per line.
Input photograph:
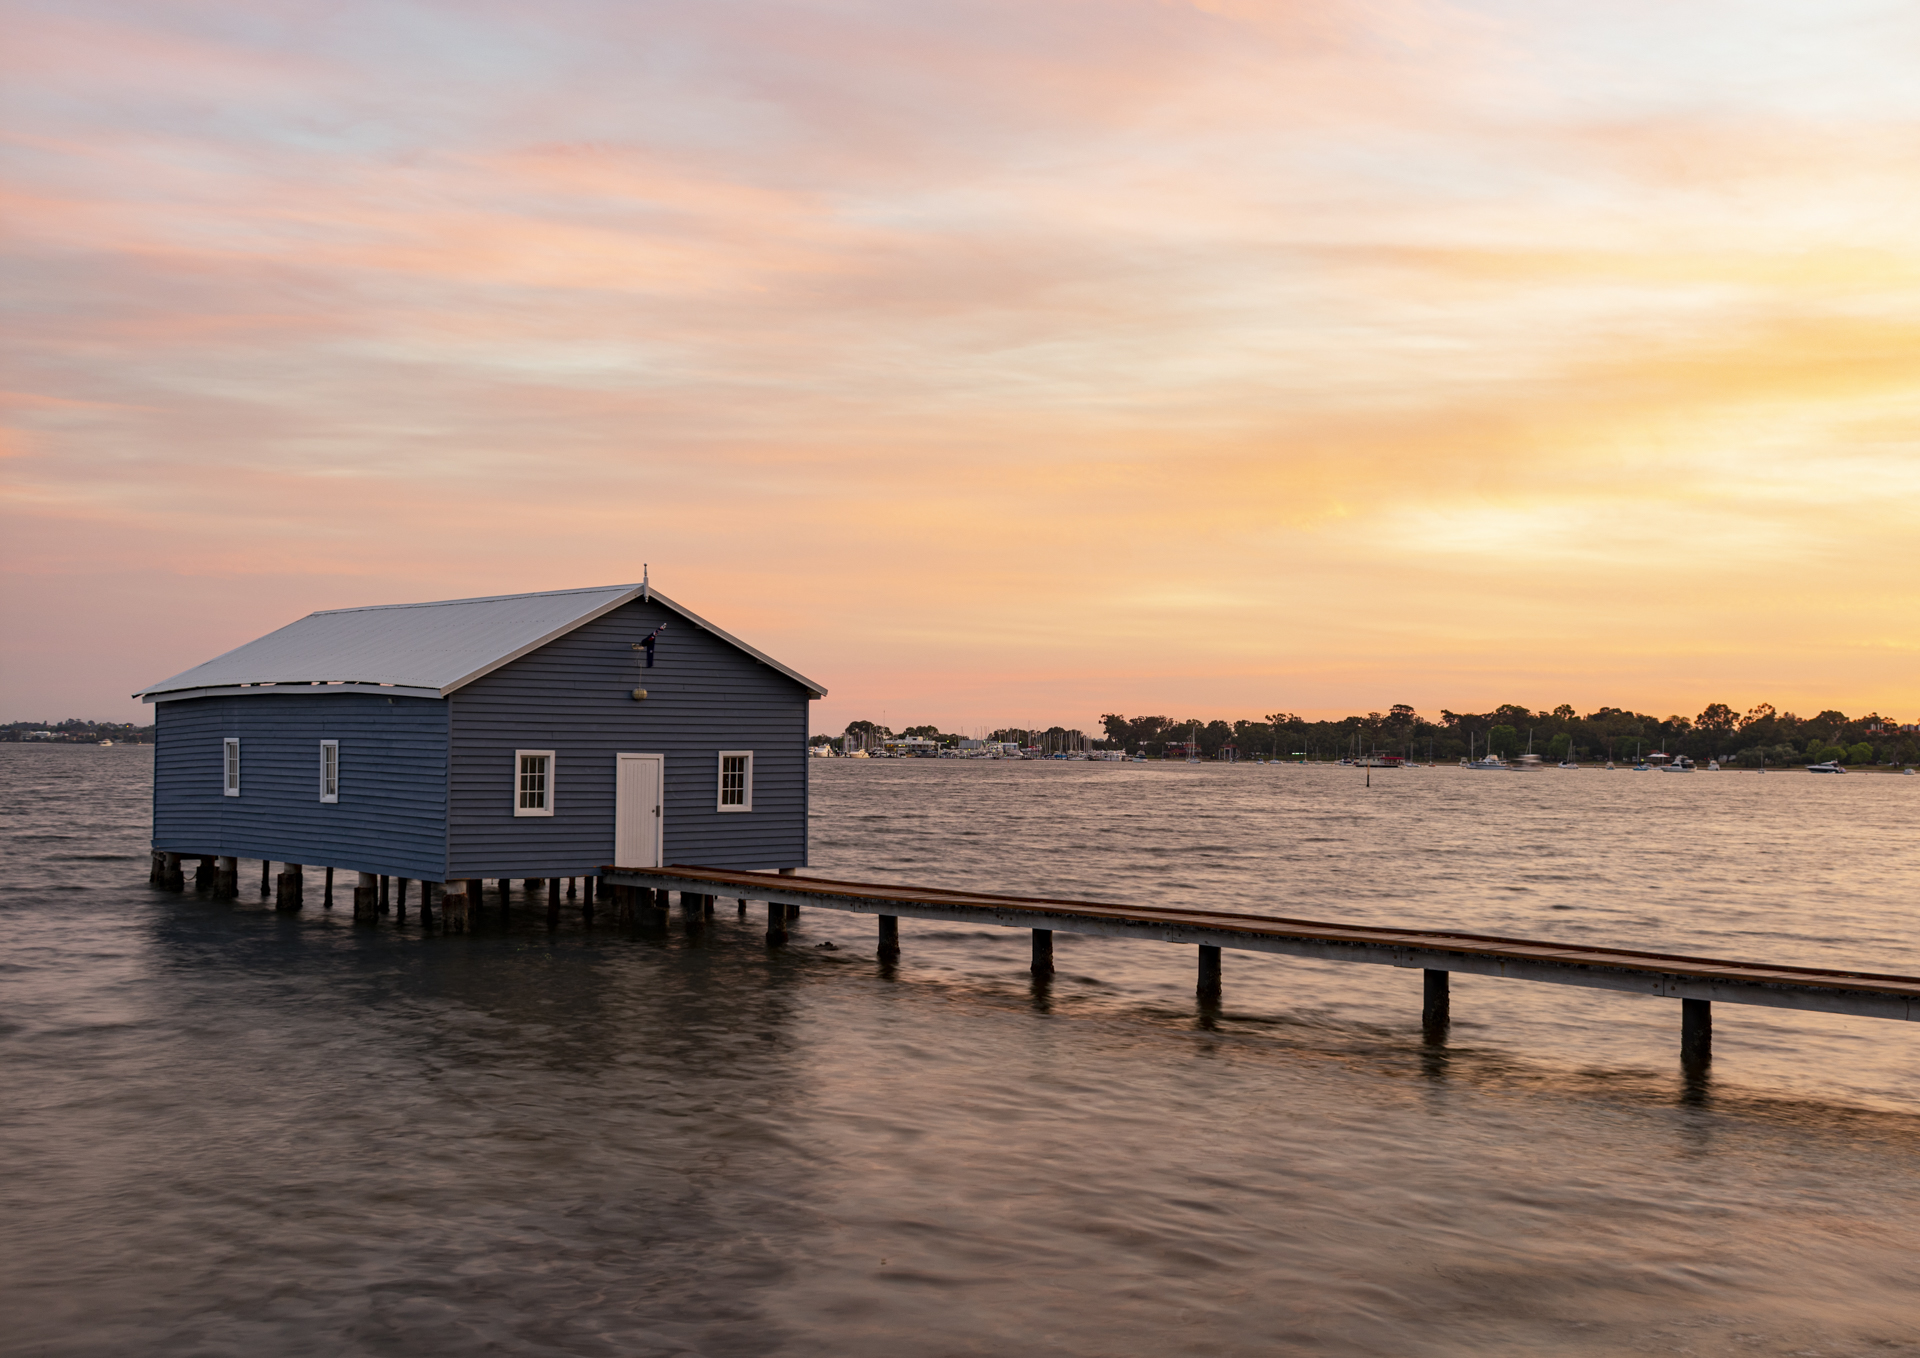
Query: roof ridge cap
[477,599]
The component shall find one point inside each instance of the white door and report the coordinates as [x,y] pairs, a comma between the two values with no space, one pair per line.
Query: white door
[636,810]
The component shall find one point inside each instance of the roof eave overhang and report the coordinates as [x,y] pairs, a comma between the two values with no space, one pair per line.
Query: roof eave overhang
[291,688]
[813,690]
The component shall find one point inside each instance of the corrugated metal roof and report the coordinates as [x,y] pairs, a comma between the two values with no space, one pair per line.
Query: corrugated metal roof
[431,646]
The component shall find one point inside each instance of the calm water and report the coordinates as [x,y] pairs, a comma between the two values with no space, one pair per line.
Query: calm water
[230,1132]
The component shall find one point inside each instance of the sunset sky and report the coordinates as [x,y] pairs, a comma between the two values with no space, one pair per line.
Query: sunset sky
[991,363]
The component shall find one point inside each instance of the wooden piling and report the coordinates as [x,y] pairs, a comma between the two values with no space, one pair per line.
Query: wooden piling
[572,885]
[228,888]
[366,899]
[266,876]
[171,877]
[1436,1004]
[889,945]
[156,867]
[384,903]
[1043,952]
[206,873]
[1208,986]
[426,905]
[400,904]
[553,902]
[1696,1034]
[506,886]
[456,907]
[476,900]
[327,898]
[776,924]
[290,896]
[587,889]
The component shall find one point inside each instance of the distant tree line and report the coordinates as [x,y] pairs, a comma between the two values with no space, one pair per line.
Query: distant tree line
[76,731]
[1760,736]
[871,733]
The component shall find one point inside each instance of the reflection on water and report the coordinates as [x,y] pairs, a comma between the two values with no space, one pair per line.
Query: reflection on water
[227,1129]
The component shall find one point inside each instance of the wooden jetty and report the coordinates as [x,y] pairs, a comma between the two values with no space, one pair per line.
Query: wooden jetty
[1695,981]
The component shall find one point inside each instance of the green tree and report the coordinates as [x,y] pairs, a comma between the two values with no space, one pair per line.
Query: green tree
[1719,719]
[1860,754]
[1503,741]
[1559,746]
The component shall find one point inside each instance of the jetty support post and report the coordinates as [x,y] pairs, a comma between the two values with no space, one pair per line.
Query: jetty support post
[889,949]
[553,902]
[776,924]
[400,902]
[171,877]
[206,874]
[385,902]
[266,878]
[456,906]
[586,900]
[1696,1035]
[1208,986]
[291,892]
[326,898]
[156,867]
[743,907]
[506,886]
[366,898]
[476,902]
[228,887]
[1436,1005]
[1043,953]
[572,884]
[426,905]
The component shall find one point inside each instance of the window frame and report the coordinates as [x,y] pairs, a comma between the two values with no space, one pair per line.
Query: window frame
[327,797]
[746,782]
[230,766]
[547,789]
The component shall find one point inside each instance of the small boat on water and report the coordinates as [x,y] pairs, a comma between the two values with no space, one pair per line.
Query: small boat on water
[1826,766]
[1492,761]
[1713,766]
[106,742]
[1680,764]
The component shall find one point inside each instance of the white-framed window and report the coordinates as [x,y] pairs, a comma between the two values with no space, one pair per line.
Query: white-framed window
[533,782]
[736,780]
[230,762]
[329,770]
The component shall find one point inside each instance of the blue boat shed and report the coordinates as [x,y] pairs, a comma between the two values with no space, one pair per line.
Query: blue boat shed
[525,735]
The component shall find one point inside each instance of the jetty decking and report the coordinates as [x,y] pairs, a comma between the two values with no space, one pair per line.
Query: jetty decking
[1696,981]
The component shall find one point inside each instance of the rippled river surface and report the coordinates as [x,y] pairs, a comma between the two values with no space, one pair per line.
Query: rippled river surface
[227,1131]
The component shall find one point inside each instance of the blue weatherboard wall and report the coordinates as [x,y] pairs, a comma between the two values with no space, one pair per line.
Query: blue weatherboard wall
[572,696]
[391,816]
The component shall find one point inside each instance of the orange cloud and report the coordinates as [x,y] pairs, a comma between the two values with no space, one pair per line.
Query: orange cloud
[1039,359]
